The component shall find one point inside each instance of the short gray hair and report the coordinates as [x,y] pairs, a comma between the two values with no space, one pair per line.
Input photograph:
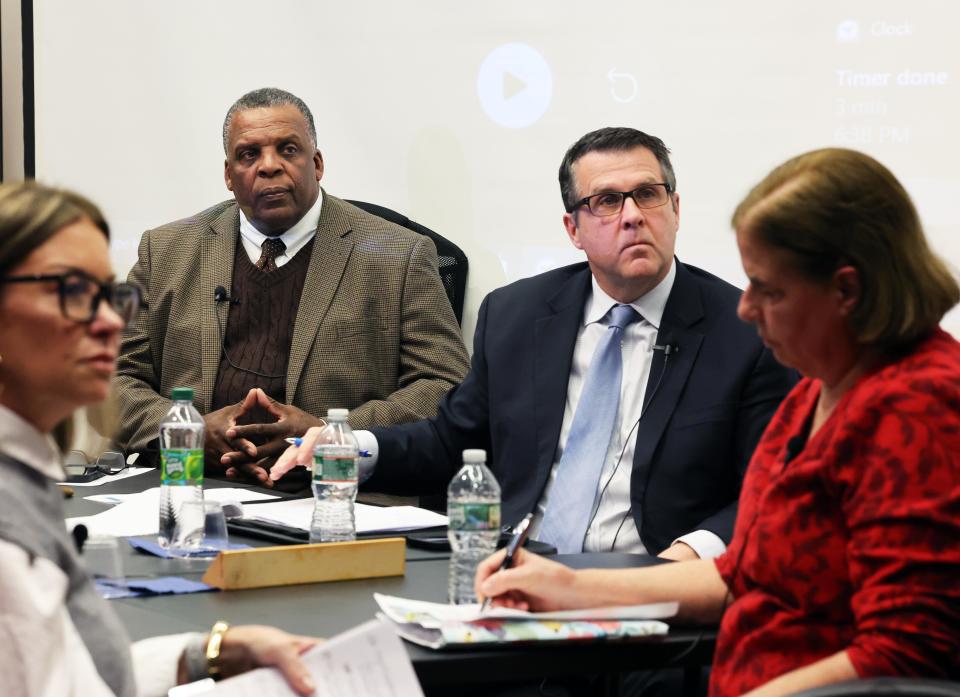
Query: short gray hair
[265,98]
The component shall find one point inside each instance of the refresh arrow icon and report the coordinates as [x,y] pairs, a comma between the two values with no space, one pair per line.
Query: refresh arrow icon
[623,86]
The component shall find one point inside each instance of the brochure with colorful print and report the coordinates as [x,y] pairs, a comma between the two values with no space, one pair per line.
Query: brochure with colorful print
[436,625]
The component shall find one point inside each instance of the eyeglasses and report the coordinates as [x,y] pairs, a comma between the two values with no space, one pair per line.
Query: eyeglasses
[80,295]
[79,469]
[611,202]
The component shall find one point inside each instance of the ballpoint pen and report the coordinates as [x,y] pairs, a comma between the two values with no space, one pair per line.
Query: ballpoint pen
[299,441]
[516,542]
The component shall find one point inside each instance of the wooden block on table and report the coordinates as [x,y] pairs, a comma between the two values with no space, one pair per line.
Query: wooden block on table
[263,567]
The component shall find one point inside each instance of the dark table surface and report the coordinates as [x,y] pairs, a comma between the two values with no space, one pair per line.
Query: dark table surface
[325,609]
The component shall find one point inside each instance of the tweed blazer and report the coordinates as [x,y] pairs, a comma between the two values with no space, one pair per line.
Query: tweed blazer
[374,331]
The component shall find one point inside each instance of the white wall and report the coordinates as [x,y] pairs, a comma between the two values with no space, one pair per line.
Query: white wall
[131,95]
[12,79]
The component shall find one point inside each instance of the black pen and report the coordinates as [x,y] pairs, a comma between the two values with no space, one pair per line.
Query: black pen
[516,542]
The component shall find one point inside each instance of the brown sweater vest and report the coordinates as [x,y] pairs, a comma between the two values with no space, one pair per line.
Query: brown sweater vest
[259,331]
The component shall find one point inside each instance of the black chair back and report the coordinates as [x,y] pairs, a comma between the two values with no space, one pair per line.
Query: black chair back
[452,261]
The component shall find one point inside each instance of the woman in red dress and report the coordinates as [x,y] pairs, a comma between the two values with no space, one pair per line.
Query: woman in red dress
[846,554]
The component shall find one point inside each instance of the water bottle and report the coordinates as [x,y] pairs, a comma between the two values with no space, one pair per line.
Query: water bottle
[473,507]
[181,460]
[336,458]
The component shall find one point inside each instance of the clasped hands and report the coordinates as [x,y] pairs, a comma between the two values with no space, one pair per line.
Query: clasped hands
[231,449]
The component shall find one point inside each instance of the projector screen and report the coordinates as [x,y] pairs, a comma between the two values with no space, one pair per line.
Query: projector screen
[458,114]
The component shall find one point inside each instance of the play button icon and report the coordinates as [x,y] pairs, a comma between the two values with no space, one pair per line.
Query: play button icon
[514,85]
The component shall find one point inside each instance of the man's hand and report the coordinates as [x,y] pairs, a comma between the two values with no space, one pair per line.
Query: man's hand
[679,551]
[291,421]
[216,441]
[296,455]
[252,472]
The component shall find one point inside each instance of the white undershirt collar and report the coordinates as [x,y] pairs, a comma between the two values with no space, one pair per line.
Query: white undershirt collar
[295,238]
[650,305]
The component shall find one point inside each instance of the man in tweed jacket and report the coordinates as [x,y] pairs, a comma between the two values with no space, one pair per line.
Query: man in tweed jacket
[373,332]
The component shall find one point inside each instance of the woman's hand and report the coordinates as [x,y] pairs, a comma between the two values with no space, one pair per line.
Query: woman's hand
[531,583]
[297,455]
[253,646]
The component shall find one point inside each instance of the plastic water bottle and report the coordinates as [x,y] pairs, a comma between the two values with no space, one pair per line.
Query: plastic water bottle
[473,507]
[336,458]
[181,460]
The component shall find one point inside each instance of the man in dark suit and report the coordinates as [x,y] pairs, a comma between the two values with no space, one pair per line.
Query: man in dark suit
[697,385]
[281,303]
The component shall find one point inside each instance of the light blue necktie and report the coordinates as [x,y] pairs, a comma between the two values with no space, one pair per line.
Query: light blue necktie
[572,495]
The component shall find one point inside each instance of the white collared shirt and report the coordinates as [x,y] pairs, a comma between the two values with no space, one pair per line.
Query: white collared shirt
[45,653]
[295,238]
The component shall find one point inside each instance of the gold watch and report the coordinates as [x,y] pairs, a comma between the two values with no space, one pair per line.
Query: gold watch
[213,648]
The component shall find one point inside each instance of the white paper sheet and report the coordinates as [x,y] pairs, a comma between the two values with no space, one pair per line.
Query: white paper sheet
[138,514]
[297,514]
[432,615]
[107,478]
[366,661]
[226,495]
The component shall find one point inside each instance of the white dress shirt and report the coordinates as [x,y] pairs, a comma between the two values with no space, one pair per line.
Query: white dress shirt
[294,238]
[44,654]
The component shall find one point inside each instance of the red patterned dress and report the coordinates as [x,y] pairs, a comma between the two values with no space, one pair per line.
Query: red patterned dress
[850,540]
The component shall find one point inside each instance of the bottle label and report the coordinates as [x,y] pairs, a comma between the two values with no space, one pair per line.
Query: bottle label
[181,466]
[474,516]
[335,468]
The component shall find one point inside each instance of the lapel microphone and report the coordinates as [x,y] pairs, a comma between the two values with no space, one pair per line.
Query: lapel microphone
[667,349]
[220,295]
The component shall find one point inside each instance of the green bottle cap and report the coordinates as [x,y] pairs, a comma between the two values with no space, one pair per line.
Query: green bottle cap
[182,394]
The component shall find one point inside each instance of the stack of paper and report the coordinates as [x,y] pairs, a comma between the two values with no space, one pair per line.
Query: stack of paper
[298,512]
[138,514]
[435,625]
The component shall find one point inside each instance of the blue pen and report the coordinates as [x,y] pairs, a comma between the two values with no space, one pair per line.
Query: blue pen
[299,441]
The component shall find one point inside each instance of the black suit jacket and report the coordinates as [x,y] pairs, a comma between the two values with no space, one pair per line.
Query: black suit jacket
[715,397]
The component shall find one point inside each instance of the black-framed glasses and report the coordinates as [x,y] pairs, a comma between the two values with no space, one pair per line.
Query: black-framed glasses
[611,202]
[80,295]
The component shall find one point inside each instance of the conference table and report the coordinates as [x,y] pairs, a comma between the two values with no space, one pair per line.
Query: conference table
[326,609]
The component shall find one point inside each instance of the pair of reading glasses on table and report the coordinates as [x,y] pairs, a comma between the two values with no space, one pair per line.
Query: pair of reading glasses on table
[80,470]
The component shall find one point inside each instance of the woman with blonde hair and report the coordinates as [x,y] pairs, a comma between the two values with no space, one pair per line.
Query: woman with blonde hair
[61,312]
[846,551]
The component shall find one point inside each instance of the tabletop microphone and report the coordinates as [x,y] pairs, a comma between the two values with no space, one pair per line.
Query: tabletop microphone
[220,295]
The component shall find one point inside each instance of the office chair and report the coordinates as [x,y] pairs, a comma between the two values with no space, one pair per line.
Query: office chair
[886,687]
[453,262]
